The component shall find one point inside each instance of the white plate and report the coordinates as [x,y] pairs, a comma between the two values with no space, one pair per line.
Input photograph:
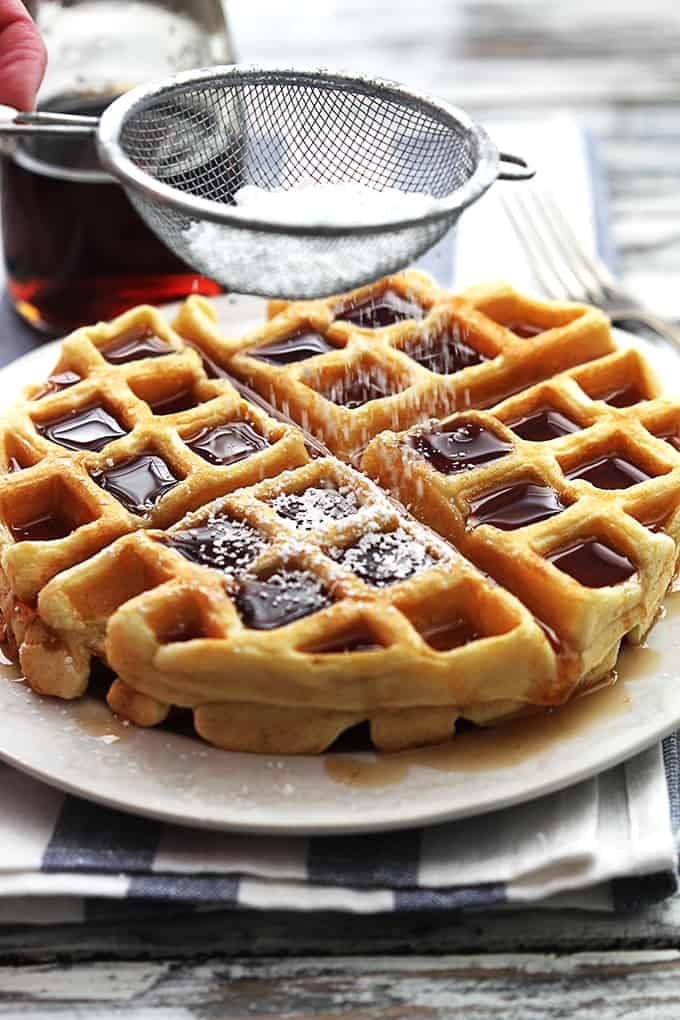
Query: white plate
[79,747]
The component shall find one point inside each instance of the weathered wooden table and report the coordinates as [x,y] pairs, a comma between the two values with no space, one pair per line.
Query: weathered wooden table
[616,64]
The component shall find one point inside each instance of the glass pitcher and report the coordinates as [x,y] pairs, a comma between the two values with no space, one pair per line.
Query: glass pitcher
[75,250]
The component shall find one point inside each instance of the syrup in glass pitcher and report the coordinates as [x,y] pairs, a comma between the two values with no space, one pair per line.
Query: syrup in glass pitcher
[75,249]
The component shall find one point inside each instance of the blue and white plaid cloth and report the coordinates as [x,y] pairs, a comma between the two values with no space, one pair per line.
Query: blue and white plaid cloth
[607,843]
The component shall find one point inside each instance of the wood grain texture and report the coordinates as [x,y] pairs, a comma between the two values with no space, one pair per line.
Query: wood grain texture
[615,65]
[644,985]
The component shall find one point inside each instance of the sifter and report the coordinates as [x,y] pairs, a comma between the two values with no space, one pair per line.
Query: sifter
[181,148]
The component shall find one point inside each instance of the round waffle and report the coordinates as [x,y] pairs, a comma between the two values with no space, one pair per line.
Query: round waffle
[153,518]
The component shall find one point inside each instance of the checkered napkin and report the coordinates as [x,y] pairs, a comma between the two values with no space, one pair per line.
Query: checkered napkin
[607,843]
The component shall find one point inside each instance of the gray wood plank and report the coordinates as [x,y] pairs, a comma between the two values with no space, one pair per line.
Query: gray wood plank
[644,985]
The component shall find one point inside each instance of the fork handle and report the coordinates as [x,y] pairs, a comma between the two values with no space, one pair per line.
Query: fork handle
[644,323]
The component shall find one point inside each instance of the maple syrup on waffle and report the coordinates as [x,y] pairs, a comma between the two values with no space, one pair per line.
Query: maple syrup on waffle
[284,597]
[175,403]
[138,483]
[445,354]
[516,506]
[58,382]
[220,543]
[288,350]
[454,633]
[669,437]
[543,424]
[622,396]
[610,472]
[226,444]
[524,329]
[356,639]
[133,346]
[593,564]
[459,446]
[361,385]
[88,428]
[46,527]
[380,310]
[384,558]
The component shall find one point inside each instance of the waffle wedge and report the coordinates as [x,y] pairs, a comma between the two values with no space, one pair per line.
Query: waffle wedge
[567,494]
[108,445]
[292,610]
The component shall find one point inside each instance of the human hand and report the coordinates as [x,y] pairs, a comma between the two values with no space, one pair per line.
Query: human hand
[22,56]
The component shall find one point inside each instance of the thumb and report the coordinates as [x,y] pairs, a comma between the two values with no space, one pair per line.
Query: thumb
[22,56]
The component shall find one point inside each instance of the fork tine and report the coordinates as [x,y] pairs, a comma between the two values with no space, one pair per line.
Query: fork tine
[545,249]
[537,265]
[594,266]
[583,285]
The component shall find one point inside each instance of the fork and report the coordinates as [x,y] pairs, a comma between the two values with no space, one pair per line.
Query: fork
[566,271]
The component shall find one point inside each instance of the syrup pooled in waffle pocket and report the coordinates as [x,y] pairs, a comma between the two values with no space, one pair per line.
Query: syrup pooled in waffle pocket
[153,518]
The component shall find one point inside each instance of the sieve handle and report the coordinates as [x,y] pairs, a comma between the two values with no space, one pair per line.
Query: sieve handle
[30,123]
[523,171]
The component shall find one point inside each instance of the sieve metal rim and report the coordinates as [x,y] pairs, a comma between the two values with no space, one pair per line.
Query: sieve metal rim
[115,160]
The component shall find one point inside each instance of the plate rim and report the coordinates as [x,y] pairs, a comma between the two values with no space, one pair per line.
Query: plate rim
[286,827]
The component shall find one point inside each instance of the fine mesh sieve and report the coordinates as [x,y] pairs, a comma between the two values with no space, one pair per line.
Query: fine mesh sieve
[182,147]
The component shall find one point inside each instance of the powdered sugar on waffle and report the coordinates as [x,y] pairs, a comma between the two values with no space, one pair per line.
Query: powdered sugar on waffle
[221,543]
[291,593]
[383,558]
[314,507]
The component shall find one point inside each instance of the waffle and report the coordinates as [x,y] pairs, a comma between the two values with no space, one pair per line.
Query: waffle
[398,352]
[282,600]
[568,494]
[109,445]
[294,609]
